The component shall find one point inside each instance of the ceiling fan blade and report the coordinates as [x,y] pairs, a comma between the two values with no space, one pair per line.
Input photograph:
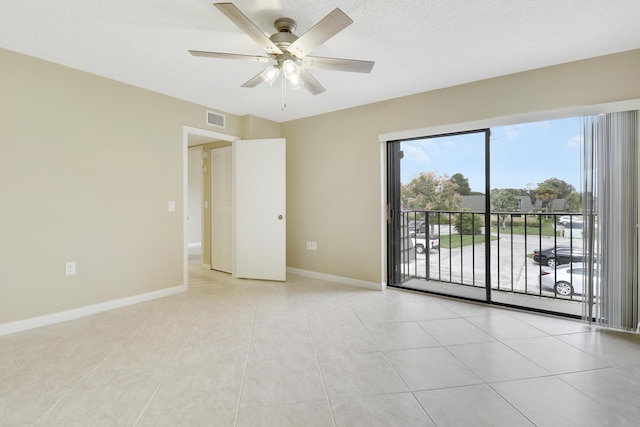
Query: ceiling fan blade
[310,82]
[326,28]
[223,55]
[255,81]
[246,25]
[338,64]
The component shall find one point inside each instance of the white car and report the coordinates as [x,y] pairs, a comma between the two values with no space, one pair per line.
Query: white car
[566,219]
[566,280]
[420,243]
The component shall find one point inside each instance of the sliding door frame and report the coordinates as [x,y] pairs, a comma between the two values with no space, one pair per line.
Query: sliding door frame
[393,205]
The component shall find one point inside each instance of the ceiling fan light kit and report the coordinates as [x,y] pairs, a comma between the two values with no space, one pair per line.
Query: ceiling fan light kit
[270,74]
[288,53]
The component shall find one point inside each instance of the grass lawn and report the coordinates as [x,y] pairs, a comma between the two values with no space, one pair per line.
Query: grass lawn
[518,228]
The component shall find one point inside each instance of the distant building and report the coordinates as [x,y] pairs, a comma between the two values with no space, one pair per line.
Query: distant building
[524,204]
[476,204]
[473,203]
[558,205]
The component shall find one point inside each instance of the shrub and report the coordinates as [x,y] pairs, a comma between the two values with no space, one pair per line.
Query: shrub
[468,223]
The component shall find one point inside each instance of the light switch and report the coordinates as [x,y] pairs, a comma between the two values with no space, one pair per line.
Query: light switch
[70,268]
[172,206]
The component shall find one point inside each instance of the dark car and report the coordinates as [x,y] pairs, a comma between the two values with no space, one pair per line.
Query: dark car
[558,255]
[417,226]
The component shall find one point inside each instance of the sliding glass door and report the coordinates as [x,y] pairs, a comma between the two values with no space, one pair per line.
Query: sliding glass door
[539,215]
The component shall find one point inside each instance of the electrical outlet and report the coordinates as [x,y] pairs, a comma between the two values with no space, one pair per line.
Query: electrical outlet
[70,268]
[312,246]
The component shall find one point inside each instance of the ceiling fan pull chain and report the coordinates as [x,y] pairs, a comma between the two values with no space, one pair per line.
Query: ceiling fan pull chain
[284,92]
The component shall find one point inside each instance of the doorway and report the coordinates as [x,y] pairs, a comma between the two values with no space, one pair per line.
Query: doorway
[192,138]
[257,188]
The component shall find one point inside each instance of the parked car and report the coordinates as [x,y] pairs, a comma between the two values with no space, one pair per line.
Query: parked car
[566,219]
[557,255]
[421,244]
[573,229]
[565,280]
[417,226]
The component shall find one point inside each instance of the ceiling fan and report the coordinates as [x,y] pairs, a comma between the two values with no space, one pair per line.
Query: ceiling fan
[289,54]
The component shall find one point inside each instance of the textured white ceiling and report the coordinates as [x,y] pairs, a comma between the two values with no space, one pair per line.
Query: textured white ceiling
[418,45]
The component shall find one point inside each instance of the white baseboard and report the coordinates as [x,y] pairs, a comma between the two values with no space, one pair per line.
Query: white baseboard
[338,279]
[76,313]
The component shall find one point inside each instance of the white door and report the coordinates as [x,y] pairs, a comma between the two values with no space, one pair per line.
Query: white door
[221,209]
[260,209]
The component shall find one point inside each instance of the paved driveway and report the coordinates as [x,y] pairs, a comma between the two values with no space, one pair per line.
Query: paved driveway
[510,266]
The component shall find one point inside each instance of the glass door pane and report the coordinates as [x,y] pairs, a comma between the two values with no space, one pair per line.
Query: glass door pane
[442,190]
[537,214]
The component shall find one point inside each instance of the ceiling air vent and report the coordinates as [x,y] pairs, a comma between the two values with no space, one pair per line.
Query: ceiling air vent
[215,119]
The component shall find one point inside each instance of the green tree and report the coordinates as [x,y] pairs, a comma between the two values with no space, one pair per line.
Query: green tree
[462,183]
[551,189]
[517,191]
[574,202]
[430,192]
[504,201]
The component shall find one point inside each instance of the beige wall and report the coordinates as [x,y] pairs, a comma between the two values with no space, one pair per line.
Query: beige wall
[87,168]
[258,128]
[334,160]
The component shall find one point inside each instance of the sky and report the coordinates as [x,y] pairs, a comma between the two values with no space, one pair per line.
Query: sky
[521,155]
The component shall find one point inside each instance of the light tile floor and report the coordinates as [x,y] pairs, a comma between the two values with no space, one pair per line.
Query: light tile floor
[314,353]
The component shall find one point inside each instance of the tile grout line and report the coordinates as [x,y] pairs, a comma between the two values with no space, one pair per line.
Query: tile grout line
[489,384]
[166,374]
[246,363]
[391,364]
[485,383]
[509,403]
[315,354]
[81,380]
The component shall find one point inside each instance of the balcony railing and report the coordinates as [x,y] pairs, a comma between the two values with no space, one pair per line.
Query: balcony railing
[530,254]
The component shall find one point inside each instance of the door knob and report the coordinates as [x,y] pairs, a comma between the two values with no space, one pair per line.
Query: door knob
[280,217]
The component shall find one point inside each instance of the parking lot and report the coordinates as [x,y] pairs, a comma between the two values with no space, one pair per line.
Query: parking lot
[512,268]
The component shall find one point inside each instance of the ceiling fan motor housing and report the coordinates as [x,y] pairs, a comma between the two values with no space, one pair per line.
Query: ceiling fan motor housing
[284,37]
[285,24]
